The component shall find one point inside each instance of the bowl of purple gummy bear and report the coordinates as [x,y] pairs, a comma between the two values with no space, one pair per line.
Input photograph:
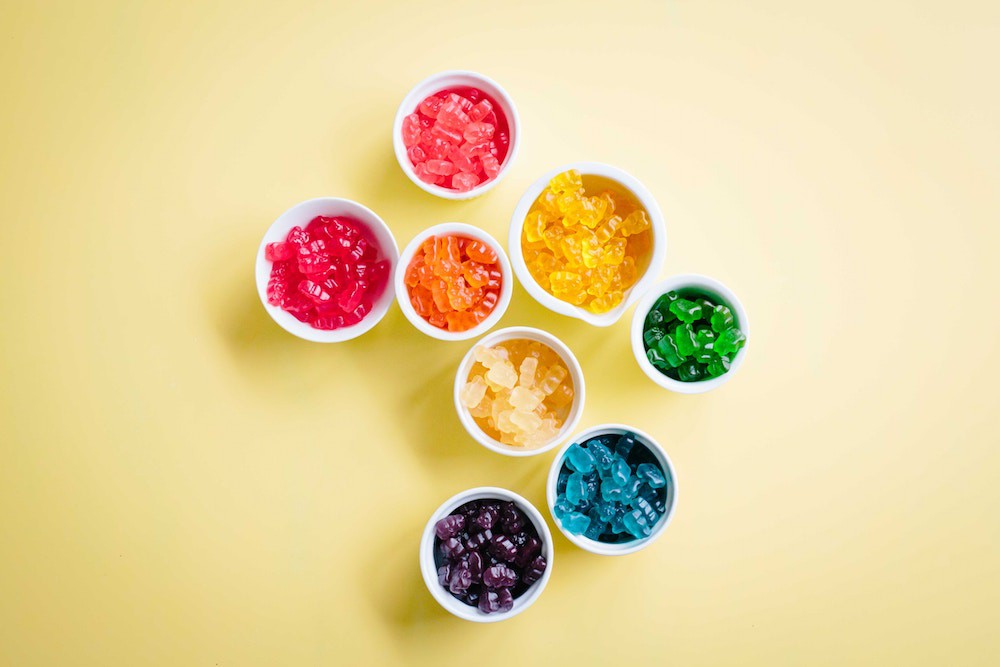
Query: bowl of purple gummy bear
[612,490]
[486,554]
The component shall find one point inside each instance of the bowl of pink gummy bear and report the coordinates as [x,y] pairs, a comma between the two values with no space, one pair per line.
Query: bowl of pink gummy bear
[324,270]
[456,133]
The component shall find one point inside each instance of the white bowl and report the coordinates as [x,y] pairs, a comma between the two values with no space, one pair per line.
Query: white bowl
[452,79]
[300,215]
[403,294]
[713,289]
[657,256]
[429,569]
[513,333]
[602,548]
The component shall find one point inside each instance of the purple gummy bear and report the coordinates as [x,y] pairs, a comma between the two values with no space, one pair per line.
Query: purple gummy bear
[452,548]
[486,518]
[489,602]
[444,573]
[477,540]
[534,571]
[527,552]
[461,579]
[499,576]
[511,518]
[505,599]
[502,547]
[476,566]
[450,526]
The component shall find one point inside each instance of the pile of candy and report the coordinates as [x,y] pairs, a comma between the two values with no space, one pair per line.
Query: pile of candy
[610,489]
[457,139]
[454,282]
[689,337]
[488,553]
[519,392]
[329,274]
[585,249]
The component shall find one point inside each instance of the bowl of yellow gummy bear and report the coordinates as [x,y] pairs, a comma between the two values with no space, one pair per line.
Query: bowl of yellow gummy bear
[587,240]
[519,391]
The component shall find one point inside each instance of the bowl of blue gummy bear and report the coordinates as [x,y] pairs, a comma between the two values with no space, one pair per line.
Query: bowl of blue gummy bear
[612,490]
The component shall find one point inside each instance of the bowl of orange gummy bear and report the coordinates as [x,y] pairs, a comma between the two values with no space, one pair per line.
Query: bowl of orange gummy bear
[587,240]
[519,391]
[453,281]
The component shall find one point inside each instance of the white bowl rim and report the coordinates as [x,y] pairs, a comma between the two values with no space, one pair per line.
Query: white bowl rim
[560,348]
[601,548]
[429,570]
[679,282]
[403,294]
[294,216]
[418,93]
[657,257]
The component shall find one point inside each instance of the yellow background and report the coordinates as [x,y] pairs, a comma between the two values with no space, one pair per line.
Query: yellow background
[183,483]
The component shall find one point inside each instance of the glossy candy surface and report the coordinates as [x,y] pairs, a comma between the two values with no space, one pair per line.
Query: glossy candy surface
[329,274]
[585,248]
[454,282]
[610,489]
[519,392]
[488,553]
[457,138]
[690,336]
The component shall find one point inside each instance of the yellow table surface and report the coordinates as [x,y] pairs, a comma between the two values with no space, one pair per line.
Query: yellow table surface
[184,483]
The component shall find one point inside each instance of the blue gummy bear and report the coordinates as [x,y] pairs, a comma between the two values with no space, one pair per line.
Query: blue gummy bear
[631,489]
[576,488]
[635,523]
[575,522]
[606,512]
[617,522]
[580,459]
[652,475]
[610,492]
[602,455]
[561,483]
[620,472]
[625,444]
[593,482]
[563,507]
[595,529]
[651,515]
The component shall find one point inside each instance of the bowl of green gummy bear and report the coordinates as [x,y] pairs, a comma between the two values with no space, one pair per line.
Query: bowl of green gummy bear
[689,333]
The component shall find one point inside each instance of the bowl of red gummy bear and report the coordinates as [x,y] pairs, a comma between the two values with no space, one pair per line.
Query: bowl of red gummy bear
[486,554]
[453,281]
[324,267]
[456,134]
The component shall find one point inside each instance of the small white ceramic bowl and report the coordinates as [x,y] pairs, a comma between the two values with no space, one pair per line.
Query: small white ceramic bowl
[516,333]
[429,569]
[403,294]
[714,290]
[602,548]
[657,256]
[453,79]
[300,215]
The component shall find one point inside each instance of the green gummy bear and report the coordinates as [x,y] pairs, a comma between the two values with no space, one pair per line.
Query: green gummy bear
[729,342]
[686,311]
[667,348]
[685,339]
[662,306]
[655,358]
[652,335]
[722,319]
[691,371]
[718,366]
[654,317]
[704,339]
[707,307]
